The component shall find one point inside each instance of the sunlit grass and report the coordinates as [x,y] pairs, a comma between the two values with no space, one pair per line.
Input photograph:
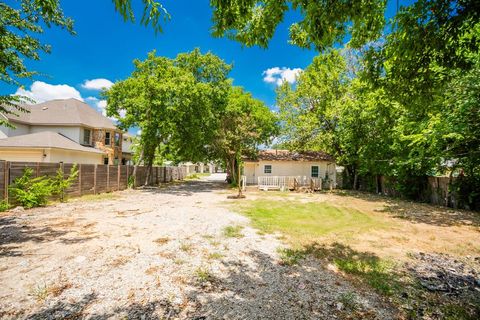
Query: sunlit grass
[306,222]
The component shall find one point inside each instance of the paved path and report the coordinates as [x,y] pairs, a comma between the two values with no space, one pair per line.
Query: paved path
[157,253]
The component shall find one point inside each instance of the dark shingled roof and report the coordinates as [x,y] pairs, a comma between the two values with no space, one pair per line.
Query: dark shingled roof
[285,155]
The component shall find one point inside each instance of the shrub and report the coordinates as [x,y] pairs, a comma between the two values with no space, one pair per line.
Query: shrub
[4,206]
[59,184]
[31,192]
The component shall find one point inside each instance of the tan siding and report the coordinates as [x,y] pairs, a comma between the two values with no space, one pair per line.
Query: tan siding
[288,168]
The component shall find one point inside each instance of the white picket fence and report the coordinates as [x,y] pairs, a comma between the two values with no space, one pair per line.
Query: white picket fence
[288,182]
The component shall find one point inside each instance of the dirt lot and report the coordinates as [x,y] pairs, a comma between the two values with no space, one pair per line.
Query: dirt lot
[174,252]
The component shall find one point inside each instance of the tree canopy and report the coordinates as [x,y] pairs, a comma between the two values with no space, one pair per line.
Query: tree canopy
[188,110]
[404,107]
[22,22]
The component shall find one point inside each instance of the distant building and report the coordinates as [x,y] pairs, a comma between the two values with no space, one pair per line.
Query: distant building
[65,130]
[284,163]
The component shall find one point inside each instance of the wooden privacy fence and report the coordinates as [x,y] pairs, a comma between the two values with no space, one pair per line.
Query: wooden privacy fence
[92,178]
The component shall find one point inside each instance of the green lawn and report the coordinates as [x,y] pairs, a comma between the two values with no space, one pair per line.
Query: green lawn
[307,222]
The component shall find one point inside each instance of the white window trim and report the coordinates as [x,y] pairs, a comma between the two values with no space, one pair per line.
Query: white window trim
[265,167]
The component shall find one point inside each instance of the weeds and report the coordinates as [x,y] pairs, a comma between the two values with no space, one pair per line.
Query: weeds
[233,232]
[186,247]
[290,257]
[40,292]
[203,275]
[349,301]
[215,256]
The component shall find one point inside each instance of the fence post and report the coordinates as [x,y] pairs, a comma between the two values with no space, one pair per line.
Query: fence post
[95,179]
[128,169]
[118,177]
[108,177]
[80,179]
[7,179]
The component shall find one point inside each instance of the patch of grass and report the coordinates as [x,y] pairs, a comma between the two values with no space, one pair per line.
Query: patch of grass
[456,312]
[178,261]
[233,232]
[215,256]
[349,301]
[306,222]
[203,275]
[290,257]
[196,176]
[186,247]
[98,197]
[40,292]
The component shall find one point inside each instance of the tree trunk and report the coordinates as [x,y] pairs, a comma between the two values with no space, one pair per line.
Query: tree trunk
[134,173]
[355,180]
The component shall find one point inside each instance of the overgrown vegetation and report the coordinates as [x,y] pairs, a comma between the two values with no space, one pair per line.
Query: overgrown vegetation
[29,191]
[60,183]
[233,232]
[32,192]
[405,107]
[4,206]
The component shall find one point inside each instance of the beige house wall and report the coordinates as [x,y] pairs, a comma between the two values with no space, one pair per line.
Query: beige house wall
[24,155]
[70,156]
[19,130]
[73,133]
[50,155]
[253,170]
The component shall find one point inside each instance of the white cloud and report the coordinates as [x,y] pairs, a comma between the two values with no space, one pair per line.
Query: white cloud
[97,84]
[279,75]
[41,92]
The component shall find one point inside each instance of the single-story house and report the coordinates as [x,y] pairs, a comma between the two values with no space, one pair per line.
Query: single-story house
[284,163]
[47,146]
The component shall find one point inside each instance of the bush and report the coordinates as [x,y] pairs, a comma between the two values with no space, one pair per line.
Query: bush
[59,184]
[31,192]
[4,206]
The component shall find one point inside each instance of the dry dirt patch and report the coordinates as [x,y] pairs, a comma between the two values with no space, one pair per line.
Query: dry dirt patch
[131,263]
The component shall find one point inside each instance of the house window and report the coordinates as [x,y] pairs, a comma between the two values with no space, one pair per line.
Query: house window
[314,171]
[267,168]
[105,160]
[117,139]
[107,138]
[86,136]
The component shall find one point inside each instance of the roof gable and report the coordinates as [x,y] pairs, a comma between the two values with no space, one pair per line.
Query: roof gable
[67,112]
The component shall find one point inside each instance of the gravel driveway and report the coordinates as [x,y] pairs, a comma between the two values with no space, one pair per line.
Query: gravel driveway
[160,254]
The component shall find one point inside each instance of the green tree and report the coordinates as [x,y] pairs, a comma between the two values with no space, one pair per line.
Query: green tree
[245,124]
[23,21]
[175,102]
[323,23]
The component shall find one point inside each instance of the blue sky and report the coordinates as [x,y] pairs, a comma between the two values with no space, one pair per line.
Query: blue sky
[105,46]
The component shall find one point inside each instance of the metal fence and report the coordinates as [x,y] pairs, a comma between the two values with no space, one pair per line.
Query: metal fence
[92,178]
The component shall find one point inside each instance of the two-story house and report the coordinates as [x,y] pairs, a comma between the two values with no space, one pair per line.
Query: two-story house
[65,130]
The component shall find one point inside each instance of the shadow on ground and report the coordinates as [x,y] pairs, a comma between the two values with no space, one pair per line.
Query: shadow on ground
[188,188]
[419,212]
[302,285]
[14,231]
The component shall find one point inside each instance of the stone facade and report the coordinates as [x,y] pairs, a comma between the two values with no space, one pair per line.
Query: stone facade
[113,150]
